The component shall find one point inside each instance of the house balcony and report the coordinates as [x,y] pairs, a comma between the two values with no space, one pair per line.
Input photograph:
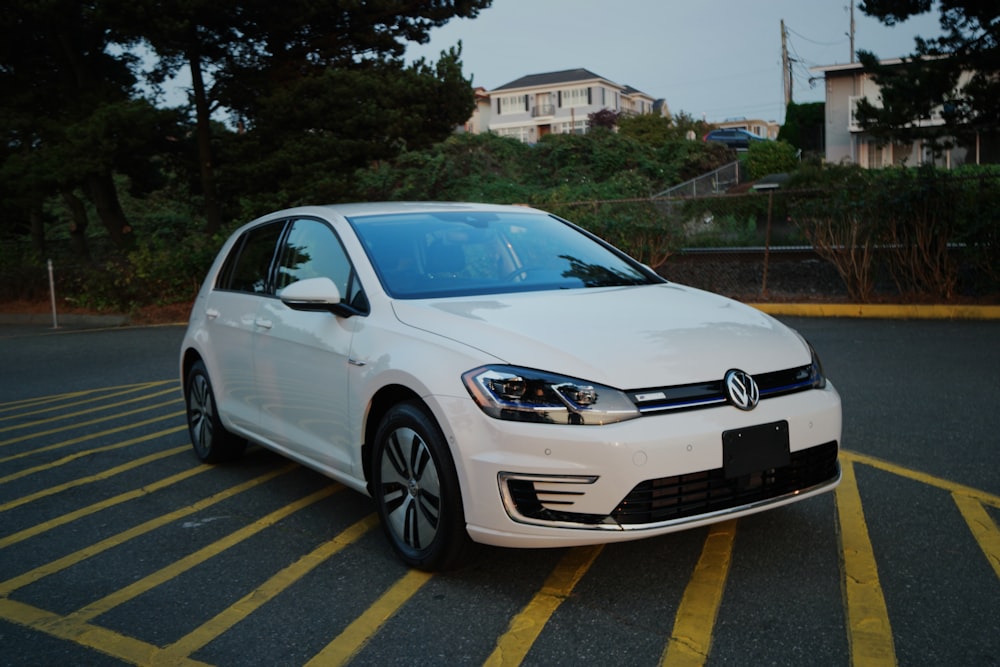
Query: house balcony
[543,110]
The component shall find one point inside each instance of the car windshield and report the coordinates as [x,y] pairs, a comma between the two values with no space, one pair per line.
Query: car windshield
[425,255]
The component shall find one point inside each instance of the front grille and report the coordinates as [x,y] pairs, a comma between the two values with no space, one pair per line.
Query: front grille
[682,496]
[679,497]
[524,495]
[675,398]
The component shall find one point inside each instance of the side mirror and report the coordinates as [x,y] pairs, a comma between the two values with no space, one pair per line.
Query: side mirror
[316,294]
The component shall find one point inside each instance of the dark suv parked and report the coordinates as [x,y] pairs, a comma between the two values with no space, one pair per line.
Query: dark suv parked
[733,137]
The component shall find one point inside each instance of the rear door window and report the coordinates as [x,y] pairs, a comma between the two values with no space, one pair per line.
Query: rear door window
[248,267]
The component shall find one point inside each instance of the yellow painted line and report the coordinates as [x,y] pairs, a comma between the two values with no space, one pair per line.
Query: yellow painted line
[362,629]
[691,637]
[76,425]
[983,528]
[924,478]
[42,571]
[93,436]
[105,474]
[255,599]
[78,455]
[178,567]
[103,397]
[39,400]
[868,630]
[62,520]
[524,628]
[883,311]
[23,403]
[109,642]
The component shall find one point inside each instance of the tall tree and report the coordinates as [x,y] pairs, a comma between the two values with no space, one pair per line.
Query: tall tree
[242,55]
[65,107]
[312,132]
[956,75]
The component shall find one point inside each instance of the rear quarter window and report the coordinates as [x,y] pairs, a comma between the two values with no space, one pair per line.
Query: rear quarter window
[248,265]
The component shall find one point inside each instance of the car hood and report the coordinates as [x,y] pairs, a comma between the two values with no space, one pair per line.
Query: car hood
[628,337]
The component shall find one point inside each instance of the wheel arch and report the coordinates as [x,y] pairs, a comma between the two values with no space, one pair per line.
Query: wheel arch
[189,358]
[380,404]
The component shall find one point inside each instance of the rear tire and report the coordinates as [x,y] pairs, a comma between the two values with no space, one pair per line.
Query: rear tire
[212,442]
[416,491]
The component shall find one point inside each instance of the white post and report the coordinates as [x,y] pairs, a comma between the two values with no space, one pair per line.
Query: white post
[52,296]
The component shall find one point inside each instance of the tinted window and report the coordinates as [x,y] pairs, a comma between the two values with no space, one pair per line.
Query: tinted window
[249,264]
[312,250]
[452,254]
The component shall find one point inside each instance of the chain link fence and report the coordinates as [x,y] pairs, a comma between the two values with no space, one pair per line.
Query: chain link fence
[937,242]
[777,244]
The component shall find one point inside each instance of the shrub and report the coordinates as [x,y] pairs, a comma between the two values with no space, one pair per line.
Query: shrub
[771,157]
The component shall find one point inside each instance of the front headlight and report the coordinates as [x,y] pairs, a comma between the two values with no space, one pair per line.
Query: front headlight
[816,374]
[522,394]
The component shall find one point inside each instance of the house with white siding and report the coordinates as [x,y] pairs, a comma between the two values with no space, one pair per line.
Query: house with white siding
[846,141]
[532,106]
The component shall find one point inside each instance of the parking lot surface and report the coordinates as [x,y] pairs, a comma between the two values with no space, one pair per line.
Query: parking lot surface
[118,547]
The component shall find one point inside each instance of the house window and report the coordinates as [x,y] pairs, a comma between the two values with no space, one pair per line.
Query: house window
[577,127]
[512,104]
[522,134]
[575,97]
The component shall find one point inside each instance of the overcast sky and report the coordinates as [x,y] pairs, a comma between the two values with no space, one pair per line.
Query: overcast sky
[716,59]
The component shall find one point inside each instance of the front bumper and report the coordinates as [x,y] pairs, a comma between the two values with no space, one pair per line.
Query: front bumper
[544,485]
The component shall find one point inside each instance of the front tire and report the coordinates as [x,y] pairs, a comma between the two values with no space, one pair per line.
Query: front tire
[212,442]
[416,491]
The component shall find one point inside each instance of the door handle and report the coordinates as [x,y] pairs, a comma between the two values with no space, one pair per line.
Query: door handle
[263,324]
[211,313]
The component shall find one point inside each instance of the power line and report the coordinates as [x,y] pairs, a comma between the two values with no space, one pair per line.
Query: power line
[813,41]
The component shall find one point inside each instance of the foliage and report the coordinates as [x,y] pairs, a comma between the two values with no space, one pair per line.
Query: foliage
[69,116]
[560,168]
[657,130]
[255,59]
[803,127]
[606,119]
[322,108]
[311,134]
[584,178]
[771,157]
[637,227]
[838,228]
[931,80]
[904,225]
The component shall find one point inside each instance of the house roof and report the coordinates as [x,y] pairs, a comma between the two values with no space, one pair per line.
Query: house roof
[629,90]
[855,66]
[552,78]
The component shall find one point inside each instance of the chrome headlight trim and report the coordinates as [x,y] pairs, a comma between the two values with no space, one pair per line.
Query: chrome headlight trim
[523,394]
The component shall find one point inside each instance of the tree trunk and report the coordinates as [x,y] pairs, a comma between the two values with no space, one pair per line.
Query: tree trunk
[99,183]
[101,188]
[78,225]
[203,129]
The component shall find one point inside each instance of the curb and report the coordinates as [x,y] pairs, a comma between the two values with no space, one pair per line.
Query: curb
[883,311]
[873,311]
[65,320]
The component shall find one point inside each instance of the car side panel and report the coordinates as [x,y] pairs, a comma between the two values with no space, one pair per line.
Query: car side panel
[226,339]
[301,371]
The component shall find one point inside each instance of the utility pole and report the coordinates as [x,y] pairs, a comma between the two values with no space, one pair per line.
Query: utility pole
[852,31]
[786,65]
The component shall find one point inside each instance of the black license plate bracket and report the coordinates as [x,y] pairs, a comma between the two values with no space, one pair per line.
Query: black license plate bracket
[755,449]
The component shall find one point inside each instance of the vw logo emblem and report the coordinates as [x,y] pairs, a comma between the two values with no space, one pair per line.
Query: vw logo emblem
[741,390]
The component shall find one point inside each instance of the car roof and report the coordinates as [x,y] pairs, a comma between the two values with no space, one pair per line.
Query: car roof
[363,209]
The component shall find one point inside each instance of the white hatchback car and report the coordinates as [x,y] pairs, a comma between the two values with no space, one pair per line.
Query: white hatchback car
[499,374]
